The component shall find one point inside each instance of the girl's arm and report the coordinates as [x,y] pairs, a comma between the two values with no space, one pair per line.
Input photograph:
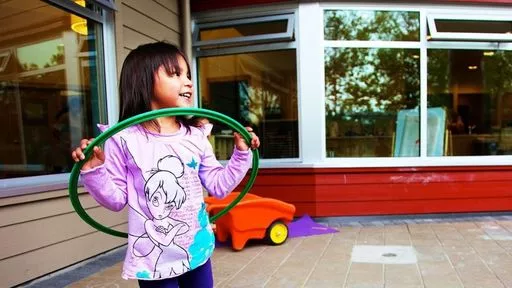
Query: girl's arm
[218,180]
[107,183]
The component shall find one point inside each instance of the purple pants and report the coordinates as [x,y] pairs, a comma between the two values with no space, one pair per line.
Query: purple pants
[201,277]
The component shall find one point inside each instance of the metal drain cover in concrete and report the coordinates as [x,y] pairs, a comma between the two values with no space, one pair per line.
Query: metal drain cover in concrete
[382,254]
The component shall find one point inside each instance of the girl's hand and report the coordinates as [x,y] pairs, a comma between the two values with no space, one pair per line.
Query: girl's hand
[96,159]
[240,142]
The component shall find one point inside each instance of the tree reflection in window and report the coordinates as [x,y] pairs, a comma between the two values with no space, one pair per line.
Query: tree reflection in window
[371,25]
[371,80]
[44,54]
[366,87]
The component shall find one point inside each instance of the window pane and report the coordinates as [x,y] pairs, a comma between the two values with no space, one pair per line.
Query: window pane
[473,26]
[258,90]
[475,89]
[49,88]
[242,30]
[371,25]
[366,91]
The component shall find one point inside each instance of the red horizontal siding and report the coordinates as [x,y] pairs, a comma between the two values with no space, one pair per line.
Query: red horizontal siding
[403,207]
[370,191]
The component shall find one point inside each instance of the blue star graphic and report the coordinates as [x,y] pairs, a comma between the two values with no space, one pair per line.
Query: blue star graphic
[192,164]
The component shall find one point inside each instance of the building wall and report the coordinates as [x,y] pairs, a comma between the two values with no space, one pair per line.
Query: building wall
[41,233]
[324,192]
[143,21]
[405,189]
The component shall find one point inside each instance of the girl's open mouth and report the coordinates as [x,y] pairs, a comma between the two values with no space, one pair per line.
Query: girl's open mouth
[186,95]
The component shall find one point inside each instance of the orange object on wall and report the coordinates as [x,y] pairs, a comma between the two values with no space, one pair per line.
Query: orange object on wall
[251,218]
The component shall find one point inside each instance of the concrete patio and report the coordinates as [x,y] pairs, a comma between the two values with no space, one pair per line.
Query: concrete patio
[460,251]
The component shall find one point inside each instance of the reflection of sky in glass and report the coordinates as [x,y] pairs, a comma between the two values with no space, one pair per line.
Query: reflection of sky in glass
[371,25]
[39,54]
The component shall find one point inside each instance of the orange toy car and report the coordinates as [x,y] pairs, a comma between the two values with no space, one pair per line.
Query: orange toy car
[254,217]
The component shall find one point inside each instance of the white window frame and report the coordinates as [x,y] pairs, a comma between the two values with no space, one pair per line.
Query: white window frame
[436,35]
[316,86]
[34,184]
[282,36]
[311,81]
[279,12]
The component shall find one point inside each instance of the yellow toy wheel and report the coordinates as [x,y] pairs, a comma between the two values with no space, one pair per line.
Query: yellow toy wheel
[277,233]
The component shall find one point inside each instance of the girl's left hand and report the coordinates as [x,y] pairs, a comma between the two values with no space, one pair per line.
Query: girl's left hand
[240,142]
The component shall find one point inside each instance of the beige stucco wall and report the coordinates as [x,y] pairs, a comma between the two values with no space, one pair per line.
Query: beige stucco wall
[41,233]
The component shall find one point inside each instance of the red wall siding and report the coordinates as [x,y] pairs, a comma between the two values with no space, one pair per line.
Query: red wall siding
[204,5]
[342,192]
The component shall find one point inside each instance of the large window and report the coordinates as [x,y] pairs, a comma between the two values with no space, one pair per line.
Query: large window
[469,78]
[253,83]
[51,83]
[371,83]
[373,80]
[399,85]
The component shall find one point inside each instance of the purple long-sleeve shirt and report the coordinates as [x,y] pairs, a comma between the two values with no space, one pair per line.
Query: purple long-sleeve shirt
[161,177]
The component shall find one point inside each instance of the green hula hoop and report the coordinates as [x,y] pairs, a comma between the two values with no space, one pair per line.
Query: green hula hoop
[199,112]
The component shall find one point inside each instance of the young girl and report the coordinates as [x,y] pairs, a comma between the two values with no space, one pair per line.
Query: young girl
[158,168]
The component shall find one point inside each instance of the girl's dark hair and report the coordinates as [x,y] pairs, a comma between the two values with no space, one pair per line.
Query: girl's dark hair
[137,80]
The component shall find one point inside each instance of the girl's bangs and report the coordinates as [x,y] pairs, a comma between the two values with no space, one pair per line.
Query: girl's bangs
[171,64]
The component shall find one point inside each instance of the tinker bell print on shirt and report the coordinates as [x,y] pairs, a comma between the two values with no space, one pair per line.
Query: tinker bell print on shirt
[163,194]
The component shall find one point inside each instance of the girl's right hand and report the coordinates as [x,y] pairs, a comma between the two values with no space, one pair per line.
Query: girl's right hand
[96,159]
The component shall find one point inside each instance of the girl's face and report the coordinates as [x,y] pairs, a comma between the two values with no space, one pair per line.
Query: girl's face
[157,206]
[172,90]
